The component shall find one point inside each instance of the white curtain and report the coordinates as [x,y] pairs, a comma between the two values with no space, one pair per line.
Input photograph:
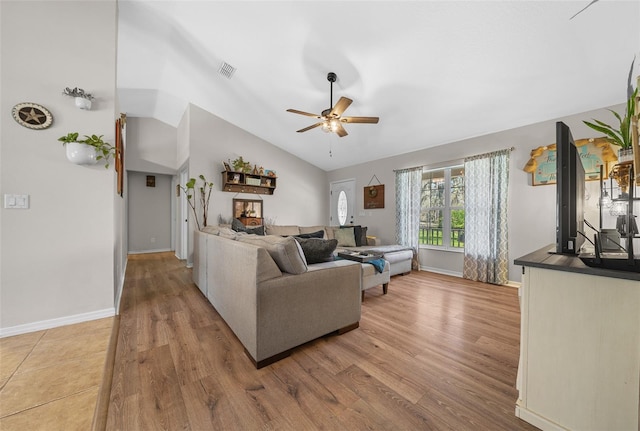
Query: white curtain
[486,254]
[408,189]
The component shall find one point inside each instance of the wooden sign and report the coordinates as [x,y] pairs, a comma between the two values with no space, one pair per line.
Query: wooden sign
[374,197]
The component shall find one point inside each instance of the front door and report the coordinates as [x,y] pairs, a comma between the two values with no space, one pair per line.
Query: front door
[342,202]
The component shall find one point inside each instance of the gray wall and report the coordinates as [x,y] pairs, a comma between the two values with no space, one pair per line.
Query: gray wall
[63,257]
[152,146]
[532,218]
[149,213]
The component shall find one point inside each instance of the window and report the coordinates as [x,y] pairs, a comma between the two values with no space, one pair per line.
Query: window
[442,208]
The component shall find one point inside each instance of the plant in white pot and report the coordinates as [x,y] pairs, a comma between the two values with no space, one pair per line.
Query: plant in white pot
[82,99]
[87,151]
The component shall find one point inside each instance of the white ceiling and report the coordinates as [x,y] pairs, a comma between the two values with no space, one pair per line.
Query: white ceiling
[433,71]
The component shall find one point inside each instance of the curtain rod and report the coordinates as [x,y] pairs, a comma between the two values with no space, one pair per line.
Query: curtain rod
[420,166]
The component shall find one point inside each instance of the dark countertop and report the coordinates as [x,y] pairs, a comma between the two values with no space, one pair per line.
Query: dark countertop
[559,262]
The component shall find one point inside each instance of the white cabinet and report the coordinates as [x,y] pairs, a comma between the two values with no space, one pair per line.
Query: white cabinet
[579,352]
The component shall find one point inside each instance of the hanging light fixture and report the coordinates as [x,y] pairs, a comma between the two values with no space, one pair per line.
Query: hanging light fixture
[618,208]
[605,199]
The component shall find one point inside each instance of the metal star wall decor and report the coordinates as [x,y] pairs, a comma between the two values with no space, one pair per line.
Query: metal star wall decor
[32,115]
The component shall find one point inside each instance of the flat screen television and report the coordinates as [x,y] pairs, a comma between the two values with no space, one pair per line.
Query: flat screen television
[570,193]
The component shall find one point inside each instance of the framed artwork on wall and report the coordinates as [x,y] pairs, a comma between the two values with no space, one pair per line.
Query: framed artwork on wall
[594,152]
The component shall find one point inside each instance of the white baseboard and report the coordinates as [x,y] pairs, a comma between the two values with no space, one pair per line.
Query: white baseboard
[160,250]
[459,275]
[441,271]
[54,323]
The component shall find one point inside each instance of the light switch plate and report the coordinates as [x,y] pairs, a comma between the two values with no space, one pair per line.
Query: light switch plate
[16,201]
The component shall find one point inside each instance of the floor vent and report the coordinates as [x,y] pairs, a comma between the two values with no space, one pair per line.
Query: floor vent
[226,70]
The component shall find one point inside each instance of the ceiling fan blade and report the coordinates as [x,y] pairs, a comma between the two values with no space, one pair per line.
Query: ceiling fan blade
[340,130]
[370,120]
[310,127]
[308,114]
[340,107]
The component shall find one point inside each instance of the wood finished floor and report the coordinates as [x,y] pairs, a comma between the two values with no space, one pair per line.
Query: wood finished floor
[435,353]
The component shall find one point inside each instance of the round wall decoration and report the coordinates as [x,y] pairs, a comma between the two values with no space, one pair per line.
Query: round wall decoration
[32,115]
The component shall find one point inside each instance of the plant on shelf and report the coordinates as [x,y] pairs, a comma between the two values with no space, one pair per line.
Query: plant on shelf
[239,165]
[204,192]
[103,150]
[620,135]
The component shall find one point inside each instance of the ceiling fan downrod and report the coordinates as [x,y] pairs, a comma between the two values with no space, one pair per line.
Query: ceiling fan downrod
[331,77]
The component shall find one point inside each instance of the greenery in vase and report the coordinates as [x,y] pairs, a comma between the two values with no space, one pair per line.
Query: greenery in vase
[204,192]
[620,135]
[77,92]
[239,165]
[104,149]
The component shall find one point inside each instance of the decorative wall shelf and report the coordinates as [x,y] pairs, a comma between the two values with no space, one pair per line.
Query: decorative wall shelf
[241,182]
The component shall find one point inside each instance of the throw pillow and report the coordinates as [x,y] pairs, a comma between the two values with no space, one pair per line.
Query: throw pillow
[286,252]
[239,227]
[363,238]
[318,234]
[317,250]
[345,237]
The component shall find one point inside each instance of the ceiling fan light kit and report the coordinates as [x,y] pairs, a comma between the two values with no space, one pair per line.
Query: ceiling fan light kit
[332,119]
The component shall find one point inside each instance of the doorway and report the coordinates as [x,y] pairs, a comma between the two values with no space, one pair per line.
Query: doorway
[342,204]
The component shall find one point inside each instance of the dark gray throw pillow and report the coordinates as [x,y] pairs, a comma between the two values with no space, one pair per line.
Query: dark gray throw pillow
[318,234]
[317,250]
[239,227]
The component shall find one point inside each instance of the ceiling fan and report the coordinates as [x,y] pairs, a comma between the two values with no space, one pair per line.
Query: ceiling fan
[332,119]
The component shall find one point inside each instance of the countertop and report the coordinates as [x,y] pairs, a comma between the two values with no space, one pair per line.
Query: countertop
[559,262]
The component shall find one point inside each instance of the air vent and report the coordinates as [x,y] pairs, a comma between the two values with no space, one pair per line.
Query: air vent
[226,70]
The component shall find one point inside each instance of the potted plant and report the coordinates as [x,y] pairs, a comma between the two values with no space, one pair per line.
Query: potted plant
[82,99]
[87,151]
[620,135]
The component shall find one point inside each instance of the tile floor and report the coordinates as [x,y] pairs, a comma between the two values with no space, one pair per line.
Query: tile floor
[49,380]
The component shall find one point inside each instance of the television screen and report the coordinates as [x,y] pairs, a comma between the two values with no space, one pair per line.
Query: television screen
[570,193]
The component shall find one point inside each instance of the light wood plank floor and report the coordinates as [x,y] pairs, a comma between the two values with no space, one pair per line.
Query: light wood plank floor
[435,353]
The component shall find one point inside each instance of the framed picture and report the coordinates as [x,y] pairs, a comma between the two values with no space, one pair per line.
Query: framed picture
[594,152]
[247,208]
[119,156]
[227,167]
[374,197]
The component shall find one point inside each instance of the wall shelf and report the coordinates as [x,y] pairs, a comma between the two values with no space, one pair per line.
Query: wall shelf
[241,182]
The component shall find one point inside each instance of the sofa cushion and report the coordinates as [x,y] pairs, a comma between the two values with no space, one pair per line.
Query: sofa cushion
[317,250]
[345,237]
[226,232]
[317,234]
[282,230]
[285,251]
[238,226]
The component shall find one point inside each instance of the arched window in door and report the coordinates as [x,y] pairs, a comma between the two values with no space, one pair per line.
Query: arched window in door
[342,208]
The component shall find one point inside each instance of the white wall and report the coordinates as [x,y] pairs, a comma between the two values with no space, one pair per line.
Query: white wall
[532,214]
[149,213]
[152,146]
[58,256]
[302,193]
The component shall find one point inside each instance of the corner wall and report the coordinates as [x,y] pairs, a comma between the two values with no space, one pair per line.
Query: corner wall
[57,257]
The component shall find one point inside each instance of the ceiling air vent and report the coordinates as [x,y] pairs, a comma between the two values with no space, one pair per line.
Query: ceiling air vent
[226,70]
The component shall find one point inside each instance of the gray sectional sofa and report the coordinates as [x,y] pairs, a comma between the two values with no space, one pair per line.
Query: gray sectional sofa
[271,299]
[399,257]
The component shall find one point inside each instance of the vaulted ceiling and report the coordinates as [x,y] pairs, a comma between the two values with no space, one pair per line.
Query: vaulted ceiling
[435,72]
